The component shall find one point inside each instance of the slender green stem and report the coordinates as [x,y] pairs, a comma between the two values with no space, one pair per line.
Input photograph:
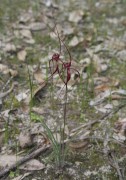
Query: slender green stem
[64,124]
[31,90]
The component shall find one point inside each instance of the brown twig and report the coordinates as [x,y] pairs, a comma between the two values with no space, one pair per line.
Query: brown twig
[24,159]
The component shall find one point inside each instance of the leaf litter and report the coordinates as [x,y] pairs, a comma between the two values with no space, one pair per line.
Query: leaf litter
[33,164]
[97,52]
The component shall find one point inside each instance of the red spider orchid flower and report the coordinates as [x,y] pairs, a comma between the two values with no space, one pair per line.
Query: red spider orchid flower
[65,74]
[54,67]
[54,63]
[55,60]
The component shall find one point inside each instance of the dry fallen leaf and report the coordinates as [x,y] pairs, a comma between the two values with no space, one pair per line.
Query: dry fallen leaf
[21,96]
[78,145]
[102,88]
[38,110]
[3,68]
[68,30]
[103,83]
[10,48]
[37,26]
[40,91]
[38,76]
[26,33]
[120,127]
[37,128]
[22,55]
[100,98]
[105,109]
[32,165]
[7,112]
[99,63]
[122,55]
[29,41]
[25,139]
[74,41]
[106,94]
[13,73]
[85,61]
[115,44]
[9,160]
[76,16]
[120,130]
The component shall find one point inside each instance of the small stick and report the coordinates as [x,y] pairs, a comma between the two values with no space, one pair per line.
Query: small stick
[24,159]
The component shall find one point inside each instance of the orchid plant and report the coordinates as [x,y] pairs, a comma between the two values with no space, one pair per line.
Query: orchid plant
[64,70]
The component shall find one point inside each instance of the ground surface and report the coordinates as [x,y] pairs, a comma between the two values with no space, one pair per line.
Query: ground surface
[94,32]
